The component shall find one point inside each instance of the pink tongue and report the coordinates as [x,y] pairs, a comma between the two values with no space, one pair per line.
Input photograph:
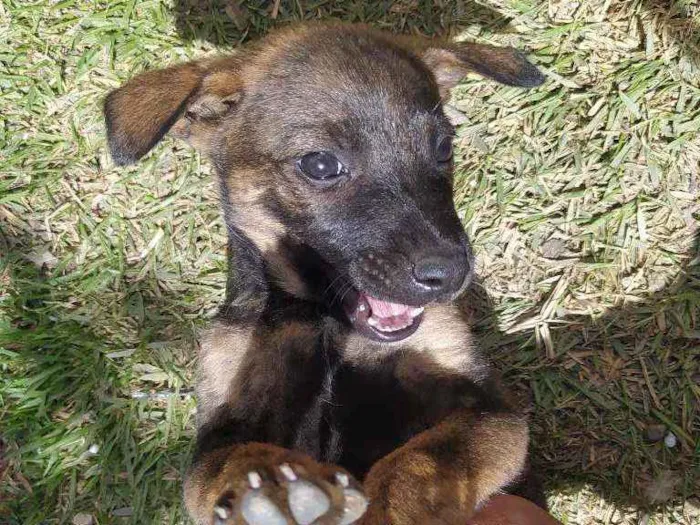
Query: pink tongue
[386,309]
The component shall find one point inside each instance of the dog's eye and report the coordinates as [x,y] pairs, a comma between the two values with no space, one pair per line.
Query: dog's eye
[321,165]
[443,153]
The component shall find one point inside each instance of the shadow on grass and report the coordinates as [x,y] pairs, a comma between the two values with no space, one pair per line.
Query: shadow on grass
[231,22]
[74,438]
[609,392]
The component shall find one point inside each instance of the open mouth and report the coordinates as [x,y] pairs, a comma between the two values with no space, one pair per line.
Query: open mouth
[381,320]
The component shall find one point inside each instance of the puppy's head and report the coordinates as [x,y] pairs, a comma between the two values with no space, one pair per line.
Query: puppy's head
[336,159]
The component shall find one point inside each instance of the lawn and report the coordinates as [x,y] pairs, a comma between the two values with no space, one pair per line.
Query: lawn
[581,198]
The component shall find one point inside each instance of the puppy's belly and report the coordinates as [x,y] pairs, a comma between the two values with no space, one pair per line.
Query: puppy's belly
[361,416]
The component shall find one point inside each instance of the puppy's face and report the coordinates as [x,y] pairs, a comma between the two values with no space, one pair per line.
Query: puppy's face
[336,159]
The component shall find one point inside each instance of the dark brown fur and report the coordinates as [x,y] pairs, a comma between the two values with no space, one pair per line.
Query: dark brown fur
[282,377]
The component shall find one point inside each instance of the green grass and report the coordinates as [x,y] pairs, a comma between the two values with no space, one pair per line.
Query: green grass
[581,198]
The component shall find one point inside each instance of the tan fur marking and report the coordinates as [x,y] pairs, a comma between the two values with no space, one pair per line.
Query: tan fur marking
[286,276]
[500,455]
[262,228]
[256,222]
[447,69]
[223,349]
[228,352]
[446,338]
[421,467]
[223,83]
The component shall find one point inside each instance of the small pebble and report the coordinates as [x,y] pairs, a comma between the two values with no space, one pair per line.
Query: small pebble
[553,248]
[670,440]
[83,519]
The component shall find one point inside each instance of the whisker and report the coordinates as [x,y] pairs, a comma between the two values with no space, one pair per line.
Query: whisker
[341,293]
[337,278]
[347,290]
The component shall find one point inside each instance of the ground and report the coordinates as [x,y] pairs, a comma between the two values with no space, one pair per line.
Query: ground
[581,198]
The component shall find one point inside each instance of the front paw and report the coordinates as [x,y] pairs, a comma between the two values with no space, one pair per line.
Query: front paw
[266,485]
[409,487]
[290,494]
[444,474]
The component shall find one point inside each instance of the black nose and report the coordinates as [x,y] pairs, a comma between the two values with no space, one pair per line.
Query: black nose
[439,273]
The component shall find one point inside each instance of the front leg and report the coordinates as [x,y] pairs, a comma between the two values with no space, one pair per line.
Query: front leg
[249,408]
[444,474]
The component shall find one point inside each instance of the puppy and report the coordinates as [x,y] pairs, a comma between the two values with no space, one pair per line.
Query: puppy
[339,383]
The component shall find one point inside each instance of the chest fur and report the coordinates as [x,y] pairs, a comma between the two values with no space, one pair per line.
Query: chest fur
[333,395]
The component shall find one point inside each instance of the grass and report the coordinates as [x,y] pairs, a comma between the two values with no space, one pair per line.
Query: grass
[581,199]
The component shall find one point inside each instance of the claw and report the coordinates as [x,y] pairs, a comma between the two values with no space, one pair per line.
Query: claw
[342,479]
[223,508]
[221,512]
[254,480]
[287,472]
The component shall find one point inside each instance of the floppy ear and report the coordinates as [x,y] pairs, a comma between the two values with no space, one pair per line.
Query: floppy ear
[187,98]
[452,62]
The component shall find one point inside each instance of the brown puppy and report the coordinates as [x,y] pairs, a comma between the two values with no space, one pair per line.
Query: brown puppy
[338,343]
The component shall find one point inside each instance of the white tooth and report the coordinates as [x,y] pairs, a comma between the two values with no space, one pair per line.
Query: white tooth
[362,307]
[372,321]
[406,324]
[415,311]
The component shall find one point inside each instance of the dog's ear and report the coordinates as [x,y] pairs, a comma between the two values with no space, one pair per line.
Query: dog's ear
[186,99]
[452,62]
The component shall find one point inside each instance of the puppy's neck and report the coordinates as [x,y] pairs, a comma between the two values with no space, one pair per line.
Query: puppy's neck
[266,285]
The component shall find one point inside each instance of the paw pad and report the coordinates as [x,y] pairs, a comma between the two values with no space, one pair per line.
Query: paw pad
[306,501]
[258,509]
